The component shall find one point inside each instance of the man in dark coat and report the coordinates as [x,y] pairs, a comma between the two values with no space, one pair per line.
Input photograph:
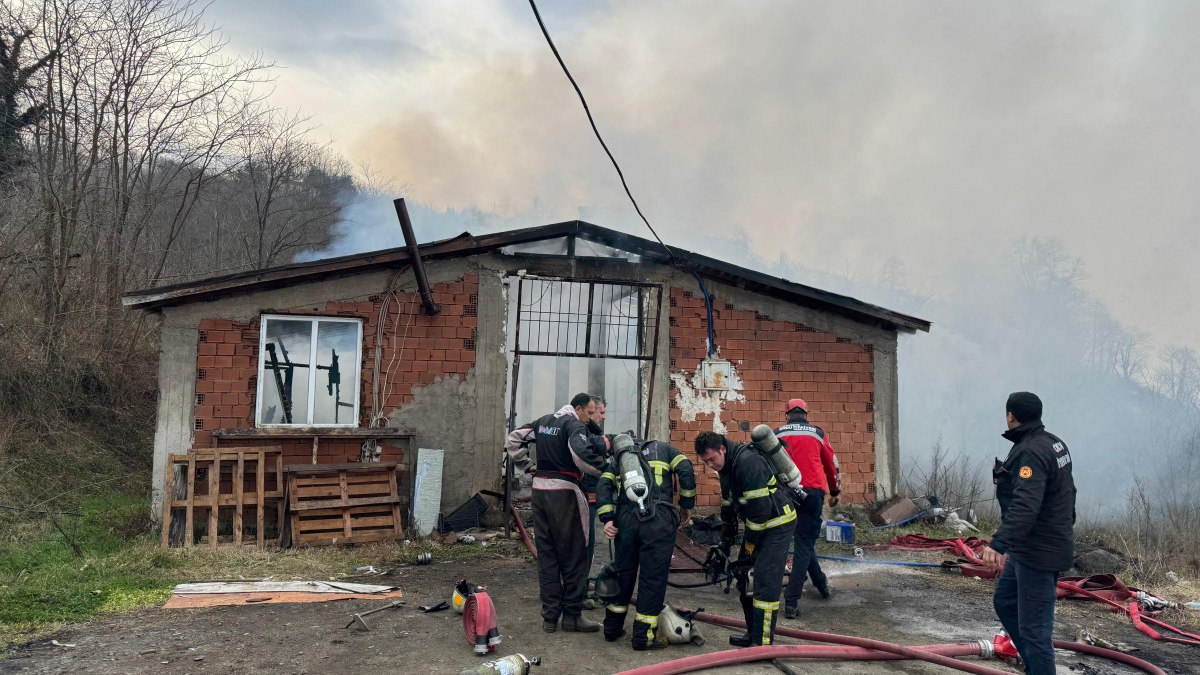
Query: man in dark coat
[1035,542]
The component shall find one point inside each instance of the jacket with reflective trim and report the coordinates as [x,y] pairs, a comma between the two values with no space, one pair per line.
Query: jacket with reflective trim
[808,446]
[565,449]
[1036,491]
[664,465]
[750,491]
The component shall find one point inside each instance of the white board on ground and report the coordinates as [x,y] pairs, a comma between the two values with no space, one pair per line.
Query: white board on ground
[427,490]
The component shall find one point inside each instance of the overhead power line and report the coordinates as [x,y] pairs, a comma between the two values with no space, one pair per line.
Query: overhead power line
[595,130]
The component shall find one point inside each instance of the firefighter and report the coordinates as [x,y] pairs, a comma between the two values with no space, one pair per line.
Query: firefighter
[809,448]
[565,452]
[750,491]
[643,521]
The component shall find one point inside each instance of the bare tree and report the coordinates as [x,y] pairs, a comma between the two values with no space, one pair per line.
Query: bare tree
[18,110]
[1178,376]
[292,188]
[142,108]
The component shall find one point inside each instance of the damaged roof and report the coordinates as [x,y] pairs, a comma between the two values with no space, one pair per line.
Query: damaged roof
[466,244]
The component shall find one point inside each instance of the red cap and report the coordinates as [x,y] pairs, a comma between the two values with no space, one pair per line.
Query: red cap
[797,403]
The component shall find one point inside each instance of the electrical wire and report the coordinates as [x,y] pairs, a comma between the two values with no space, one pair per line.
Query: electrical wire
[595,130]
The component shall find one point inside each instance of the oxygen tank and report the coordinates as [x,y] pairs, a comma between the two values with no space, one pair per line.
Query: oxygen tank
[773,449]
[629,462]
[516,664]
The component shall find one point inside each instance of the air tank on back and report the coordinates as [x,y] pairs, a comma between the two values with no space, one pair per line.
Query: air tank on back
[630,465]
[773,449]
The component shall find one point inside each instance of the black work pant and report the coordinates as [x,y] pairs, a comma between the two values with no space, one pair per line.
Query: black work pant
[1024,602]
[645,545]
[804,554]
[562,553]
[770,558]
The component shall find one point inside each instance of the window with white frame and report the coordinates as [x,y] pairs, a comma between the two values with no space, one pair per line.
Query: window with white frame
[308,371]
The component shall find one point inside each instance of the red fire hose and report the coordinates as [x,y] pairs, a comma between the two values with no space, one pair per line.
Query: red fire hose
[859,649]
[521,528]
[479,623]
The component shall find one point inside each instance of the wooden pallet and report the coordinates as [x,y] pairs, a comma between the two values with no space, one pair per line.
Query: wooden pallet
[209,482]
[344,503]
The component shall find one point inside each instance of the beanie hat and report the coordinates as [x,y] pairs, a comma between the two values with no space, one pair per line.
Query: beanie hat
[1025,406]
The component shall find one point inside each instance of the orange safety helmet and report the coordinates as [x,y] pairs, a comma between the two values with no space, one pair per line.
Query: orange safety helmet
[797,403]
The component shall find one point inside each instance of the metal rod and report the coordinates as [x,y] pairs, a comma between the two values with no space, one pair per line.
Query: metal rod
[414,256]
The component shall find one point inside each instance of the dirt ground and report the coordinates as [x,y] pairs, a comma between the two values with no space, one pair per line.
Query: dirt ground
[899,604]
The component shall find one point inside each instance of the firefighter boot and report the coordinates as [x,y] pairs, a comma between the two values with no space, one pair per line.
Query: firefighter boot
[614,622]
[770,616]
[579,624]
[744,640]
[645,629]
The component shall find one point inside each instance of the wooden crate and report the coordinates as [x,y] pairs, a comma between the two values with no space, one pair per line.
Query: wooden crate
[206,483]
[344,503]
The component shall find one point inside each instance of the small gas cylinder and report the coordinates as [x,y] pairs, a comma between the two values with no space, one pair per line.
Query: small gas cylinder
[516,664]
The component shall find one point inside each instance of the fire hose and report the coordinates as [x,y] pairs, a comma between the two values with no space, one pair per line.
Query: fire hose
[479,623]
[849,648]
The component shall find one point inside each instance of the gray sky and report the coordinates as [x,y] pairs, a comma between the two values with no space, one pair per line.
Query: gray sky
[844,133]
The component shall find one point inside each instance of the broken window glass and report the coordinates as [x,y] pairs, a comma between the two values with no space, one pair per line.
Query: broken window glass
[309,371]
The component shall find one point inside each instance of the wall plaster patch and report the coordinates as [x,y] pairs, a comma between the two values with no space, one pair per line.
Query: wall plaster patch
[693,399]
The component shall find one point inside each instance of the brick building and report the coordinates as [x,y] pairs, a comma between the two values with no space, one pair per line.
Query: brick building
[340,359]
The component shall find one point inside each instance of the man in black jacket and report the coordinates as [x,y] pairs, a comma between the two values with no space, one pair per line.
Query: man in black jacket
[1036,538]
[750,491]
[565,452]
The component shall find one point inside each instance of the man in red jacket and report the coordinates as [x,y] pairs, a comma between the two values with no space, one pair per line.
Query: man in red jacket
[809,448]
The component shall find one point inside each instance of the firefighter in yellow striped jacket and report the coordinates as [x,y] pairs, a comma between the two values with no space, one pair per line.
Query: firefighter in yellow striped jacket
[751,492]
[643,529]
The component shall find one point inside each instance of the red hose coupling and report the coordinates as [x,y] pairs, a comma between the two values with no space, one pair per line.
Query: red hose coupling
[1002,647]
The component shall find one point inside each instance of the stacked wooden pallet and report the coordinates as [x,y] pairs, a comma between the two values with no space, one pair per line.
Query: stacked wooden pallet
[224,497]
[343,503]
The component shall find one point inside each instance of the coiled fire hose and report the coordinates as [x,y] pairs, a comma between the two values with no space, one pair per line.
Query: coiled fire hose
[850,648]
[479,623]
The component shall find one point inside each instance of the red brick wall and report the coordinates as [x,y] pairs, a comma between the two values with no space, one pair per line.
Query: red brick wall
[778,360]
[418,347]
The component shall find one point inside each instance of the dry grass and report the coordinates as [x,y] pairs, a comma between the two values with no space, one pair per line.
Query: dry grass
[43,584]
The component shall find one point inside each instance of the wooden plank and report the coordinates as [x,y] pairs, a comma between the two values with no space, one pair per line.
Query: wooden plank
[354,511]
[191,502]
[352,467]
[363,538]
[338,503]
[279,514]
[261,477]
[335,479]
[295,515]
[346,513]
[168,499]
[239,479]
[395,494]
[214,493]
[360,489]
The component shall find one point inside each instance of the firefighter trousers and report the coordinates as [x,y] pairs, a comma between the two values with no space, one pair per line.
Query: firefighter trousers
[561,552]
[770,558]
[643,554]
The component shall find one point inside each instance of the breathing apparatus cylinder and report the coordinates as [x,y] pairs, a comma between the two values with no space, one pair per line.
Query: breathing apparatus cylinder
[773,449]
[629,462]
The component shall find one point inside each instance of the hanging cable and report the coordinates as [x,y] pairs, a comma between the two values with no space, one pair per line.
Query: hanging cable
[682,264]
[595,130]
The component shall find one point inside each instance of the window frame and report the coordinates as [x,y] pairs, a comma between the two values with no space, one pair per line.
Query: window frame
[314,320]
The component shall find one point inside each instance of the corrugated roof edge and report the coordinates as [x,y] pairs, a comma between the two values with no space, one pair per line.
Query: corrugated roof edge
[467,244]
